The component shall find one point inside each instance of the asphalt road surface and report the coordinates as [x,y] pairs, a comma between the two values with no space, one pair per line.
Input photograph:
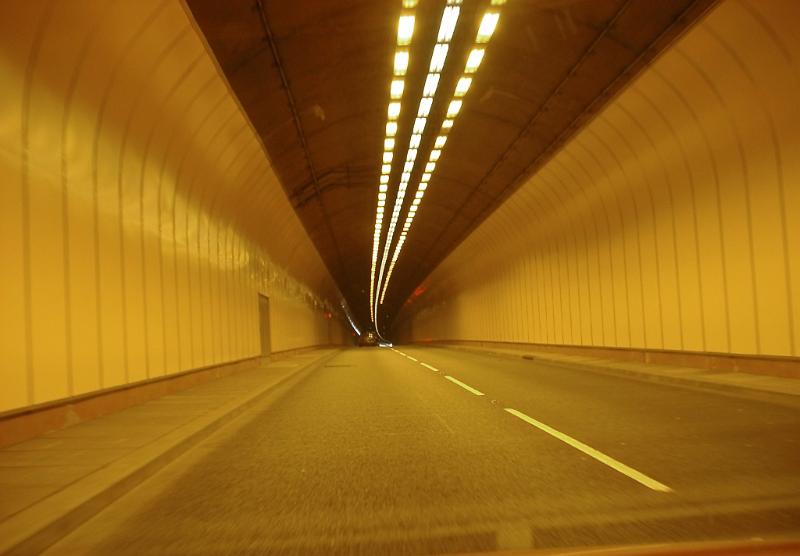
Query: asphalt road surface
[376,453]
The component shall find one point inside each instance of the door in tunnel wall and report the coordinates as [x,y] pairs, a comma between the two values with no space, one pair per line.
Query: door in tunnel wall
[263,325]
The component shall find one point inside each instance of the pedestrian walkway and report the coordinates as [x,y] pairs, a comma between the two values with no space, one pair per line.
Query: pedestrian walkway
[740,383]
[63,477]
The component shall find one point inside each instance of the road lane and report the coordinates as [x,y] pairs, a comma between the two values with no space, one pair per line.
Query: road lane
[707,446]
[376,453]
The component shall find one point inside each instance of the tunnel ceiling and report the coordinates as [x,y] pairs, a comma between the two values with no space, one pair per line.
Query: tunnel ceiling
[313,77]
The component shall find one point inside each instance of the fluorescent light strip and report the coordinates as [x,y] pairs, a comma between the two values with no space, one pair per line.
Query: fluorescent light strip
[405,32]
[485,30]
[438,58]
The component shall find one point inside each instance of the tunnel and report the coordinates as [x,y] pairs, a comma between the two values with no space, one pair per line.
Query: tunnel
[400,277]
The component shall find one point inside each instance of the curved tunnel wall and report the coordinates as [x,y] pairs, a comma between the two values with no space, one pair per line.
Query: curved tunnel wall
[139,214]
[670,222]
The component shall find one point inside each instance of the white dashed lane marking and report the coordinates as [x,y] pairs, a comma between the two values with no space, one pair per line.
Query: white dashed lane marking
[614,464]
[589,451]
[466,387]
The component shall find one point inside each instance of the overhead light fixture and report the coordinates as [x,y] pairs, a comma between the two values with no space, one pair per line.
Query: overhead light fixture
[391,129]
[405,28]
[440,141]
[387,156]
[383,187]
[453,108]
[386,169]
[447,124]
[388,144]
[430,166]
[424,106]
[474,60]
[394,110]
[396,90]
[426,177]
[384,178]
[410,3]
[463,86]
[487,27]
[448,25]
[438,58]
[400,62]
[431,83]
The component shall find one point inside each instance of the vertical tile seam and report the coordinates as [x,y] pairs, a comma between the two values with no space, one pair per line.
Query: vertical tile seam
[27,91]
[65,197]
[187,208]
[610,264]
[778,173]
[165,100]
[668,187]
[622,228]
[693,210]
[748,196]
[654,219]
[627,185]
[110,82]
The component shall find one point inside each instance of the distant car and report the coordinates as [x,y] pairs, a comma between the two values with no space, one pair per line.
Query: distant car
[368,339]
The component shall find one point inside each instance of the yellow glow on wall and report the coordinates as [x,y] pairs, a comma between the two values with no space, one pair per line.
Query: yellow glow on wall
[685,232]
[144,259]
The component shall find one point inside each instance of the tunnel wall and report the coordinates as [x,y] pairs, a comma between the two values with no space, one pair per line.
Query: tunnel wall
[139,214]
[670,222]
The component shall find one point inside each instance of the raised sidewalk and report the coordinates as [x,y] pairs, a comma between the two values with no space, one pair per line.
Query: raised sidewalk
[754,386]
[52,483]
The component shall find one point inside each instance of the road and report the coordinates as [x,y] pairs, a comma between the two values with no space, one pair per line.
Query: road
[376,453]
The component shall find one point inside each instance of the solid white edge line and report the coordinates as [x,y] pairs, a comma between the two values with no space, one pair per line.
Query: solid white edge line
[589,451]
[430,367]
[414,360]
[466,387]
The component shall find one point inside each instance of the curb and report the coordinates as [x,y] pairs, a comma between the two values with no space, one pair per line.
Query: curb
[740,391]
[37,527]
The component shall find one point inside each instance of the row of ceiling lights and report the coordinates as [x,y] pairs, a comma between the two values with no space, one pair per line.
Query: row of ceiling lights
[447,27]
[405,30]
[438,58]
[485,31]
